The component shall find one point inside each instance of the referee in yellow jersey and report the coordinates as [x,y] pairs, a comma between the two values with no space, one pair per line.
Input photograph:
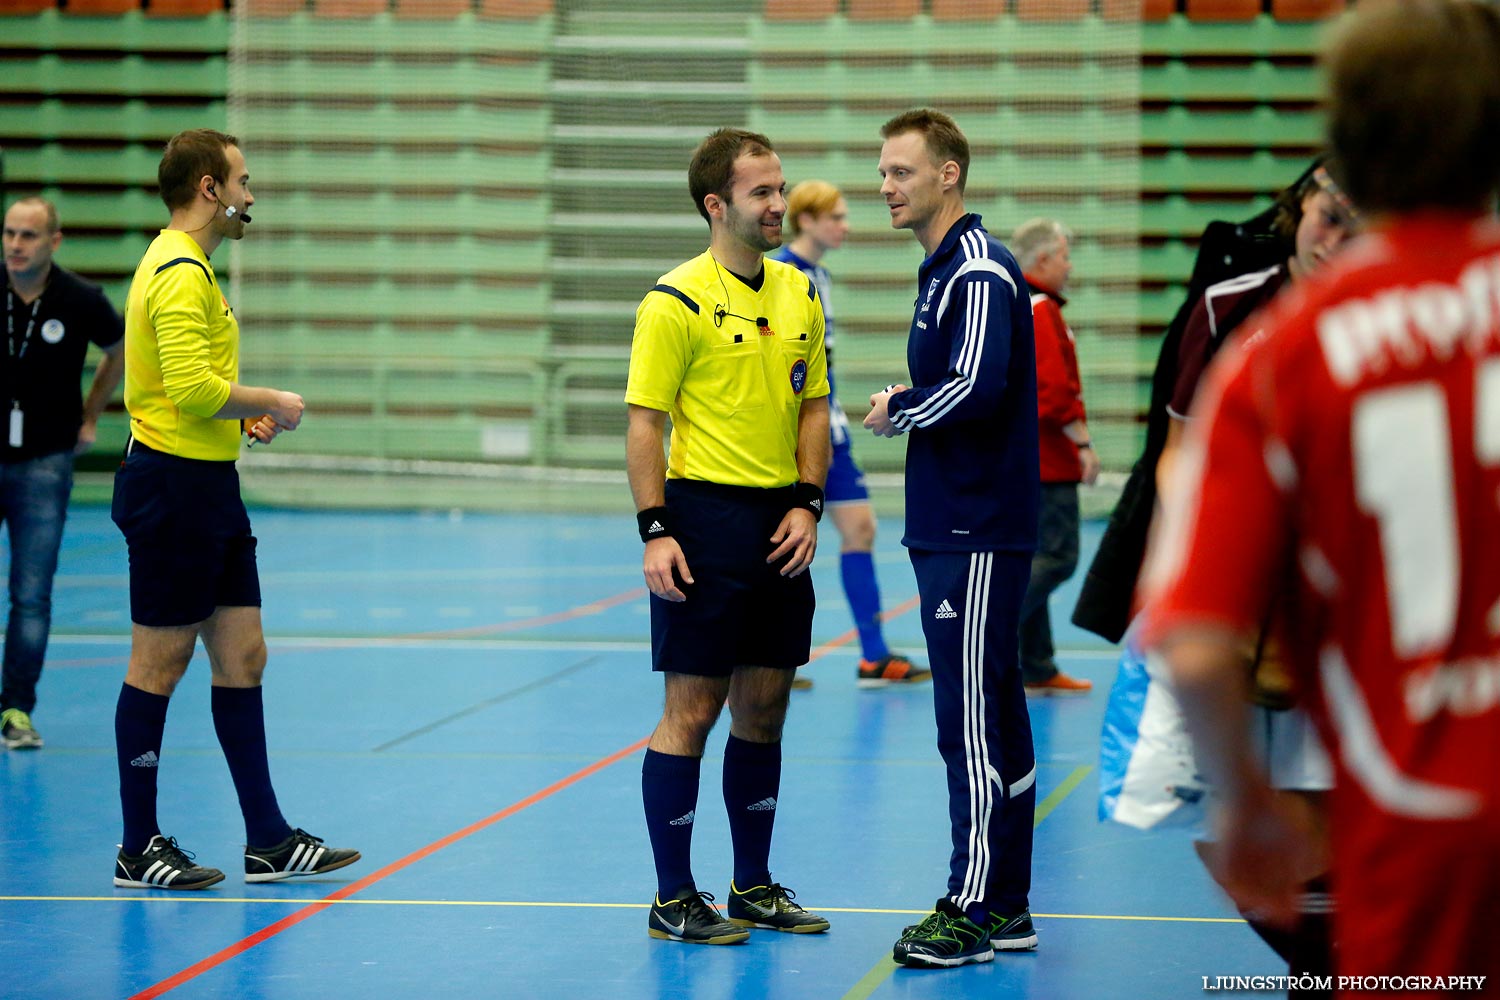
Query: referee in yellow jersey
[177,501]
[731,345]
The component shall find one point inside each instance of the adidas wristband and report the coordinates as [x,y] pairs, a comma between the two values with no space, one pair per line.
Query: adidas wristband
[808,497]
[653,522]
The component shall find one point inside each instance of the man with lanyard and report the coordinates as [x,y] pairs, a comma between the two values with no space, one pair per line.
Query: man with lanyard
[972,485]
[819,219]
[731,345]
[177,502]
[51,316]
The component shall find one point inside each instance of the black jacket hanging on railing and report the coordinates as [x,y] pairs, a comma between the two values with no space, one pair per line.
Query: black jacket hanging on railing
[1226,250]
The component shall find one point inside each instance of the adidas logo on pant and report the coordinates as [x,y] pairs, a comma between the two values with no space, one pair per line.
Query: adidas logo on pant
[764,805]
[945,610]
[147,759]
[683,820]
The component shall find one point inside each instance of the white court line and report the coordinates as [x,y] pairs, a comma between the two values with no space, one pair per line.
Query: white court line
[440,642]
[450,575]
[393,642]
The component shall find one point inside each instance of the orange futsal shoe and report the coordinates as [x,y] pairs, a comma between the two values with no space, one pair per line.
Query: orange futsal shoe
[1058,683]
[888,670]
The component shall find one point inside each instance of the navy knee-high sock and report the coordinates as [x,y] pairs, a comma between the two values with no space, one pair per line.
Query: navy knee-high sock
[669,789]
[752,780]
[857,570]
[240,722]
[140,718]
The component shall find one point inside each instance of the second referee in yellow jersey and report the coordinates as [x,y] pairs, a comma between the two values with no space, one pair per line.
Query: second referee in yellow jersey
[193,572]
[731,346]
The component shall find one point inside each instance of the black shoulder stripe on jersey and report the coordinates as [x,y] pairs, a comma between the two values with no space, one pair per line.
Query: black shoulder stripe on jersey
[812,291]
[186,260]
[678,295]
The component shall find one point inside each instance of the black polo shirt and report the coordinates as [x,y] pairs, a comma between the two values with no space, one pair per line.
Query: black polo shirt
[43,371]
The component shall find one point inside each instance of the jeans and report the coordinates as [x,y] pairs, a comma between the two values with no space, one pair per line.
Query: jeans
[33,505]
[1055,560]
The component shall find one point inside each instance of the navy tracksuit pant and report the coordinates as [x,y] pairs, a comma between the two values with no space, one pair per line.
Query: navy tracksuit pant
[971,604]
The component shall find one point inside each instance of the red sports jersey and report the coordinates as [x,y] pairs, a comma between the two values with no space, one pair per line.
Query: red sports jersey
[1059,390]
[1353,457]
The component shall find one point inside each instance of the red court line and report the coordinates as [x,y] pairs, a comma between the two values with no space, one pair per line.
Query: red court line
[293,919]
[312,909]
[582,610]
[841,640]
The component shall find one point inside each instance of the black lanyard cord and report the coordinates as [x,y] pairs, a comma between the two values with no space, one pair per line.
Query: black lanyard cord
[10,326]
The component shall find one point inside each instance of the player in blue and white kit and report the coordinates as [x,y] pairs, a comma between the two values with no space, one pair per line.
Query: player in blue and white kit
[972,492]
[819,220]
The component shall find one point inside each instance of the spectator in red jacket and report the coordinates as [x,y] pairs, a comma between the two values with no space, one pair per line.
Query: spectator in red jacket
[1067,451]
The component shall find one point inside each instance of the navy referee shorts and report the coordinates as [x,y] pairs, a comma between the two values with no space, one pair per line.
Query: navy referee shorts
[188,535]
[740,610]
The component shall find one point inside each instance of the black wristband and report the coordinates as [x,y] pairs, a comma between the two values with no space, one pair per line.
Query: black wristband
[653,522]
[1083,445]
[808,497]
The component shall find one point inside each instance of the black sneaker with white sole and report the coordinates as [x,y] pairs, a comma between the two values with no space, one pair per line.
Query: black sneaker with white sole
[947,938]
[163,865]
[1014,933]
[299,854]
[692,920]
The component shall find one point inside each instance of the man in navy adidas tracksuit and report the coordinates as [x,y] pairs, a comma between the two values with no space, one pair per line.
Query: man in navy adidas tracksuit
[972,491]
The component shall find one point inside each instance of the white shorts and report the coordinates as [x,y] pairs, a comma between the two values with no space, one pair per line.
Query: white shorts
[1291,750]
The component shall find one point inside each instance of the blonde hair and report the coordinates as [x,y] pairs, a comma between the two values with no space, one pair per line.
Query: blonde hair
[816,198]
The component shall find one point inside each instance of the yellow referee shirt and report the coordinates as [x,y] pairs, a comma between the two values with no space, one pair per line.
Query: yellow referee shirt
[182,350]
[732,366]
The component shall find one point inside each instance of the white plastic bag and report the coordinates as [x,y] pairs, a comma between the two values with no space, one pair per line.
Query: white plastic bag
[1147,775]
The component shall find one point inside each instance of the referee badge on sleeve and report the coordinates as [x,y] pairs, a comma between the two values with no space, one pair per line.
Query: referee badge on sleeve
[799,376]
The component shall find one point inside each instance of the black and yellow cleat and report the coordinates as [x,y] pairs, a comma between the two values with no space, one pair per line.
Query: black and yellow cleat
[692,920]
[770,907]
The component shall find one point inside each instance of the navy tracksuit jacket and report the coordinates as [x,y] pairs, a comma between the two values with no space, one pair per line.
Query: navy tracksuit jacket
[972,492]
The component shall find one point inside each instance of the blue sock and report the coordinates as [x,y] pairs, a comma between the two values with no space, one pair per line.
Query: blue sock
[669,789]
[858,571]
[240,722]
[752,780]
[140,718]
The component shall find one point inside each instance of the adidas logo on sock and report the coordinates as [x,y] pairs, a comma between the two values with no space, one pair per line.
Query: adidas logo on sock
[764,805]
[147,759]
[684,820]
[945,610]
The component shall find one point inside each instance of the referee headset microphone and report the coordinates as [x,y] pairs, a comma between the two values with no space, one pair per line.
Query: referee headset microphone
[229,210]
[721,311]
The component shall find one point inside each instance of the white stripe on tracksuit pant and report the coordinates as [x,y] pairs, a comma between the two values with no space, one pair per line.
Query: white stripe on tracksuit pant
[971,604]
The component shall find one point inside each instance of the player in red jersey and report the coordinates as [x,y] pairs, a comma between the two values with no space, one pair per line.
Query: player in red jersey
[1351,461]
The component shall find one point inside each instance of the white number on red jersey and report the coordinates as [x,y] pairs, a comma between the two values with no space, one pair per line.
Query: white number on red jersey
[1403,472]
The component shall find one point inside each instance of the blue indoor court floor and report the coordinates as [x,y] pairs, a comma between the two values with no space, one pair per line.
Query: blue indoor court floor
[465,699]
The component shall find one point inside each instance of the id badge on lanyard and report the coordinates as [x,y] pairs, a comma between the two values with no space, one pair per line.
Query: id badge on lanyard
[17,418]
